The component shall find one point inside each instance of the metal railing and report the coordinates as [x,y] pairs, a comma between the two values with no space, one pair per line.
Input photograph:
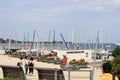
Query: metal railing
[79,74]
[50,74]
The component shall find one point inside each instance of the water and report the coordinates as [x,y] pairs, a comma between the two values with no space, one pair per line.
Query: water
[60,45]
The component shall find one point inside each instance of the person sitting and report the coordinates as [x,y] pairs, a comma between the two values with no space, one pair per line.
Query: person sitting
[64,60]
[107,68]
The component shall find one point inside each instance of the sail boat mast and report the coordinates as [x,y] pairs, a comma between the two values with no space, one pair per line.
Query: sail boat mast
[33,38]
[96,50]
[54,39]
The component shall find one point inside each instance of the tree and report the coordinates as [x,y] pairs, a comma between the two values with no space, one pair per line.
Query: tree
[1,40]
[116,51]
[116,61]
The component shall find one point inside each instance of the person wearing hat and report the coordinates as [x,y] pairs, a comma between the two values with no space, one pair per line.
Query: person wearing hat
[107,68]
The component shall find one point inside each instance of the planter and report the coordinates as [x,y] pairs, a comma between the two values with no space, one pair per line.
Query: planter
[50,61]
[39,59]
[83,65]
[73,64]
[44,60]
[57,62]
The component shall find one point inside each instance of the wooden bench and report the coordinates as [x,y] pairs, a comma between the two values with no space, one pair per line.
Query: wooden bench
[15,72]
[50,74]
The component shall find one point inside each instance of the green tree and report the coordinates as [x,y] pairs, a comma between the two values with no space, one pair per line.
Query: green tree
[116,61]
[1,40]
[116,51]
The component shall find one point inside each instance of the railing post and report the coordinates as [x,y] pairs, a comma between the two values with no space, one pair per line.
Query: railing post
[55,74]
[68,73]
[91,75]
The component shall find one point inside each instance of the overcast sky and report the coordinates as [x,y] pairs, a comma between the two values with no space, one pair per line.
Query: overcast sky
[77,20]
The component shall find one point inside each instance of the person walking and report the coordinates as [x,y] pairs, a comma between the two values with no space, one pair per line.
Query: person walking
[31,66]
[26,64]
[20,63]
[107,68]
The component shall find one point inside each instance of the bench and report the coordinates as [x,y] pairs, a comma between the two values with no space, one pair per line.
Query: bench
[15,72]
[50,74]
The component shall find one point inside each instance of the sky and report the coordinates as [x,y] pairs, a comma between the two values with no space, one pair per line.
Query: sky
[77,20]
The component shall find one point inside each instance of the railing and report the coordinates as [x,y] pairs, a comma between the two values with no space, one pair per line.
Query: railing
[50,74]
[59,74]
[79,75]
[14,72]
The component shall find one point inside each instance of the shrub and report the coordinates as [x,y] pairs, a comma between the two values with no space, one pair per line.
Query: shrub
[7,78]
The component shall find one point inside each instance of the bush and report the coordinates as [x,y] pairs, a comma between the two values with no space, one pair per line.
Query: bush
[9,79]
[116,61]
[116,51]
[116,66]
[81,61]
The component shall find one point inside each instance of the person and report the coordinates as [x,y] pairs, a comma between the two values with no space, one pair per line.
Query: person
[64,60]
[20,63]
[107,68]
[9,54]
[31,66]
[26,64]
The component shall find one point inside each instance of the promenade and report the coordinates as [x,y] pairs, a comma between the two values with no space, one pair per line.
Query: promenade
[75,75]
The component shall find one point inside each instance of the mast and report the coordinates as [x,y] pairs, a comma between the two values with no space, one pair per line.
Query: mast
[64,41]
[98,42]
[23,43]
[37,45]
[27,40]
[54,39]
[96,50]
[49,39]
[73,39]
[33,38]
[9,45]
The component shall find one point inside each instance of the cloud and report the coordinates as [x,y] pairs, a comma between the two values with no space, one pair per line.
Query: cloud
[41,15]
[37,14]
[75,0]
[117,2]
[100,8]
